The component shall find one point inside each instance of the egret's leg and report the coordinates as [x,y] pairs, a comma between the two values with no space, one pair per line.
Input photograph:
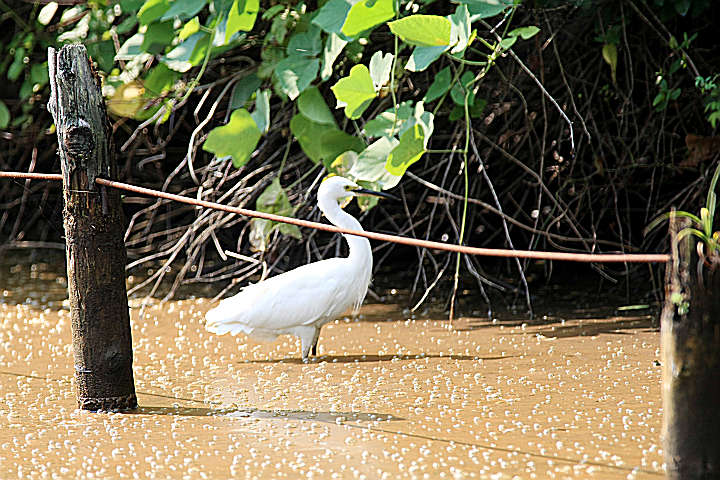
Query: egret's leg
[315,342]
[307,337]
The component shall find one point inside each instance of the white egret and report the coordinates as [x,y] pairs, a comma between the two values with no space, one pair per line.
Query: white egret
[301,301]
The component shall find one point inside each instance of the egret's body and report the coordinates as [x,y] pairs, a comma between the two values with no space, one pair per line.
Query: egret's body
[301,301]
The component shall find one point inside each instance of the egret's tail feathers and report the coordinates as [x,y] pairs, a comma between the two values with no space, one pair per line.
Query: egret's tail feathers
[222,320]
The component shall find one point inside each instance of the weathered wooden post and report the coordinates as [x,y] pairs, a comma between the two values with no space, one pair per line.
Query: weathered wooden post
[94,230]
[690,332]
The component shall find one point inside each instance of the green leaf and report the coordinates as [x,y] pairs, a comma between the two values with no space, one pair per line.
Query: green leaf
[183,9]
[305,43]
[39,73]
[334,142]
[380,66]
[366,14]
[294,74]
[508,42]
[152,10]
[422,57]
[331,17]
[4,115]
[423,30]
[187,54]
[312,105]
[486,8]
[461,25]
[17,66]
[477,108]
[440,85]
[382,125]
[241,17]
[525,33]
[130,5]
[127,100]
[157,36]
[273,200]
[307,134]
[659,98]
[272,11]
[26,89]
[261,115]
[46,14]
[243,90]
[160,79]
[459,89]
[370,164]
[706,221]
[102,52]
[407,152]
[322,142]
[191,27]
[126,25]
[238,138]
[343,163]
[290,230]
[425,120]
[270,56]
[609,54]
[333,46]
[355,92]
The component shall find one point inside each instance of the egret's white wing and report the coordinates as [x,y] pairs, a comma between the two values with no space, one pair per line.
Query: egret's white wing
[312,293]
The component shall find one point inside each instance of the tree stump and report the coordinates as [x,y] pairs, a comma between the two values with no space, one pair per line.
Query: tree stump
[690,333]
[94,229]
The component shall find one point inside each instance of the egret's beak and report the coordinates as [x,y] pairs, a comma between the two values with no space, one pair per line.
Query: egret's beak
[365,191]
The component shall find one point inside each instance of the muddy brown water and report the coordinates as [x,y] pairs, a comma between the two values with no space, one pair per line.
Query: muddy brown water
[407,398]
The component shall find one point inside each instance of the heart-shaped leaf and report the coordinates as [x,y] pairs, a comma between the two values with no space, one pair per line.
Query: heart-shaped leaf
[380,66]
[312,105]
[423,30]
[355,92]
[241,17]
[295,73]
[407,152]
[366,14]
[237,138]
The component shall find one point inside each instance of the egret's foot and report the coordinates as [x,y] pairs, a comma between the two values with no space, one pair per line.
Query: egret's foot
[315,340]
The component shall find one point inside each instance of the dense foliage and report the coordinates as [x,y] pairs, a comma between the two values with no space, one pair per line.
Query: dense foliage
[537,124]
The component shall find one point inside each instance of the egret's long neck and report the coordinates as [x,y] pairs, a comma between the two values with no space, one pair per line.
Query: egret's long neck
[360,252]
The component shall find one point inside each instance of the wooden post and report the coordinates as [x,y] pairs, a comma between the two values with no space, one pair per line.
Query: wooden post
[690,334]
[94,228]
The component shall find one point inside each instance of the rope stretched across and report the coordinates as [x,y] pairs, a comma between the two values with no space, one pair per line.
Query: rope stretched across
[414,242]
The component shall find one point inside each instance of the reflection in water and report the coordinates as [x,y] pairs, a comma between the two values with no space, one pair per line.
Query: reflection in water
[369,358]
[327,417]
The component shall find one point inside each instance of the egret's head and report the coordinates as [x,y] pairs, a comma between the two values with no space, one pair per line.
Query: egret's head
[341,190]
[338,189]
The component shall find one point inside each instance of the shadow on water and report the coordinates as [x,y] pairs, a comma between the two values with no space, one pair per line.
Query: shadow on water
[366,358]
[553,328]
[326,417]
[614,326]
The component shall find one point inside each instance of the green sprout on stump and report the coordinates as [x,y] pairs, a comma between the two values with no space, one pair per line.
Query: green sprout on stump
[702,226]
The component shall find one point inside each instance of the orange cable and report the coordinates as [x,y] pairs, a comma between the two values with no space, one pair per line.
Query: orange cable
[488,252]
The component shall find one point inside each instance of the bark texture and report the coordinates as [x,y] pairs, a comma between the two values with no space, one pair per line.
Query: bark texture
[690,327]
[94,229]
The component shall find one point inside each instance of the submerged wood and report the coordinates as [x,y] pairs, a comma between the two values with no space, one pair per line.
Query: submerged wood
[690,333]
[94,228]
